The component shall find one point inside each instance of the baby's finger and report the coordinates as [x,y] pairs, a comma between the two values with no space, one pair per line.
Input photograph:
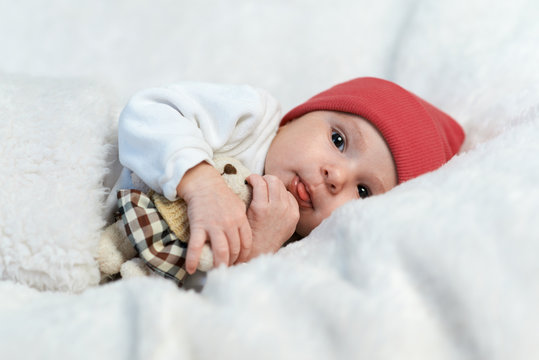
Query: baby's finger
[292,200]
[234,245]
[246,243]
[260,188]
[276,189]
[219,247]
[294,207]
[194,249]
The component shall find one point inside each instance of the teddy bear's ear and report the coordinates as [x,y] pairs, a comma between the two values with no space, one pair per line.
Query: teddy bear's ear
[234,174]
[230,169]
[230,166]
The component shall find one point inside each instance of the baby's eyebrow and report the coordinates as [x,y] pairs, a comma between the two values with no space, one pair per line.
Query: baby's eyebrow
[362,145]
[357,136]
[378,184]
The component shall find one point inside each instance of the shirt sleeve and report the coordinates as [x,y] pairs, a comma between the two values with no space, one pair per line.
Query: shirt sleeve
[163,132]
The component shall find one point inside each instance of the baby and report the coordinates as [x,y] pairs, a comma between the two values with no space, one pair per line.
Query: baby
[355,140]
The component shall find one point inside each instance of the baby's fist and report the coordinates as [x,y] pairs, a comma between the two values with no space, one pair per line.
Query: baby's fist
[273,214]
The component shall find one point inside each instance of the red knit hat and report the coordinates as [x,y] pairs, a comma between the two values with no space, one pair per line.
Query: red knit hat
[421,137]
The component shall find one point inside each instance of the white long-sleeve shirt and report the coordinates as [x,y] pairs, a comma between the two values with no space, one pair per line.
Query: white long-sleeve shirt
[163,132]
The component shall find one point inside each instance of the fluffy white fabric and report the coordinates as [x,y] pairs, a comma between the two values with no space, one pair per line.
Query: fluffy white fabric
[53,141]
[444,266]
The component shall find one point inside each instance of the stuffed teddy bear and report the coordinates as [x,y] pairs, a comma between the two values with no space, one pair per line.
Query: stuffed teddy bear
[153,232]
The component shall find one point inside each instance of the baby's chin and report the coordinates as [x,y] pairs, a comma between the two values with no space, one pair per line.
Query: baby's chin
[303,228]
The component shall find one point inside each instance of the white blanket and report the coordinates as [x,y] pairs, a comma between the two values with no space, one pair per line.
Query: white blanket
[442,267]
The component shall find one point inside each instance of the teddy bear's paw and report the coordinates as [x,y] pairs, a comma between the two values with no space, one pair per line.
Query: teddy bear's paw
[114,249]
[205,262]
[134,268]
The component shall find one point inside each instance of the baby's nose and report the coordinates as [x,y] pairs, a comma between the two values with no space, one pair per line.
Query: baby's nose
[334,177]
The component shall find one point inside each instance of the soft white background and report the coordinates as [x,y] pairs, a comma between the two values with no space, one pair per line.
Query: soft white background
[444,266]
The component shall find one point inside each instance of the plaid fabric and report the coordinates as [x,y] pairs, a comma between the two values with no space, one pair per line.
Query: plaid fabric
[149,233]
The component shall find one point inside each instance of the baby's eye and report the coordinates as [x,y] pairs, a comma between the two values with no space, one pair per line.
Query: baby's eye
[363,191]
[338,140]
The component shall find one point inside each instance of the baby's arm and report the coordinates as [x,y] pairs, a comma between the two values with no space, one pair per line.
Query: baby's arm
[166,133]
[163,132]
[216,215]
[273,215]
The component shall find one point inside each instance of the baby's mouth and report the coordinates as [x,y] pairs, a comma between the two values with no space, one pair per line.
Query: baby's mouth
[300,192]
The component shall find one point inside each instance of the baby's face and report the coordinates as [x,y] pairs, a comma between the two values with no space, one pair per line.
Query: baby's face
[326,159]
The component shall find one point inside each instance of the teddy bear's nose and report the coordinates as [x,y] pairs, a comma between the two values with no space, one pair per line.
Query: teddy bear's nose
[230,169]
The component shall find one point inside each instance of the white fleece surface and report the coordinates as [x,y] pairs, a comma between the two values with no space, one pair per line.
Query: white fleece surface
[445,266]
[54,137]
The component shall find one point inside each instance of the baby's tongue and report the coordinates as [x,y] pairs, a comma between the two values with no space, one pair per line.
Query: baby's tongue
[302,192]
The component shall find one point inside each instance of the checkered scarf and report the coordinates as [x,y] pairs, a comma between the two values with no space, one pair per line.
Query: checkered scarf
[151,236]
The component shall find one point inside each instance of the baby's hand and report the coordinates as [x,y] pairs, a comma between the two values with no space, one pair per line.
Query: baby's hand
[273,215]
[216,215]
